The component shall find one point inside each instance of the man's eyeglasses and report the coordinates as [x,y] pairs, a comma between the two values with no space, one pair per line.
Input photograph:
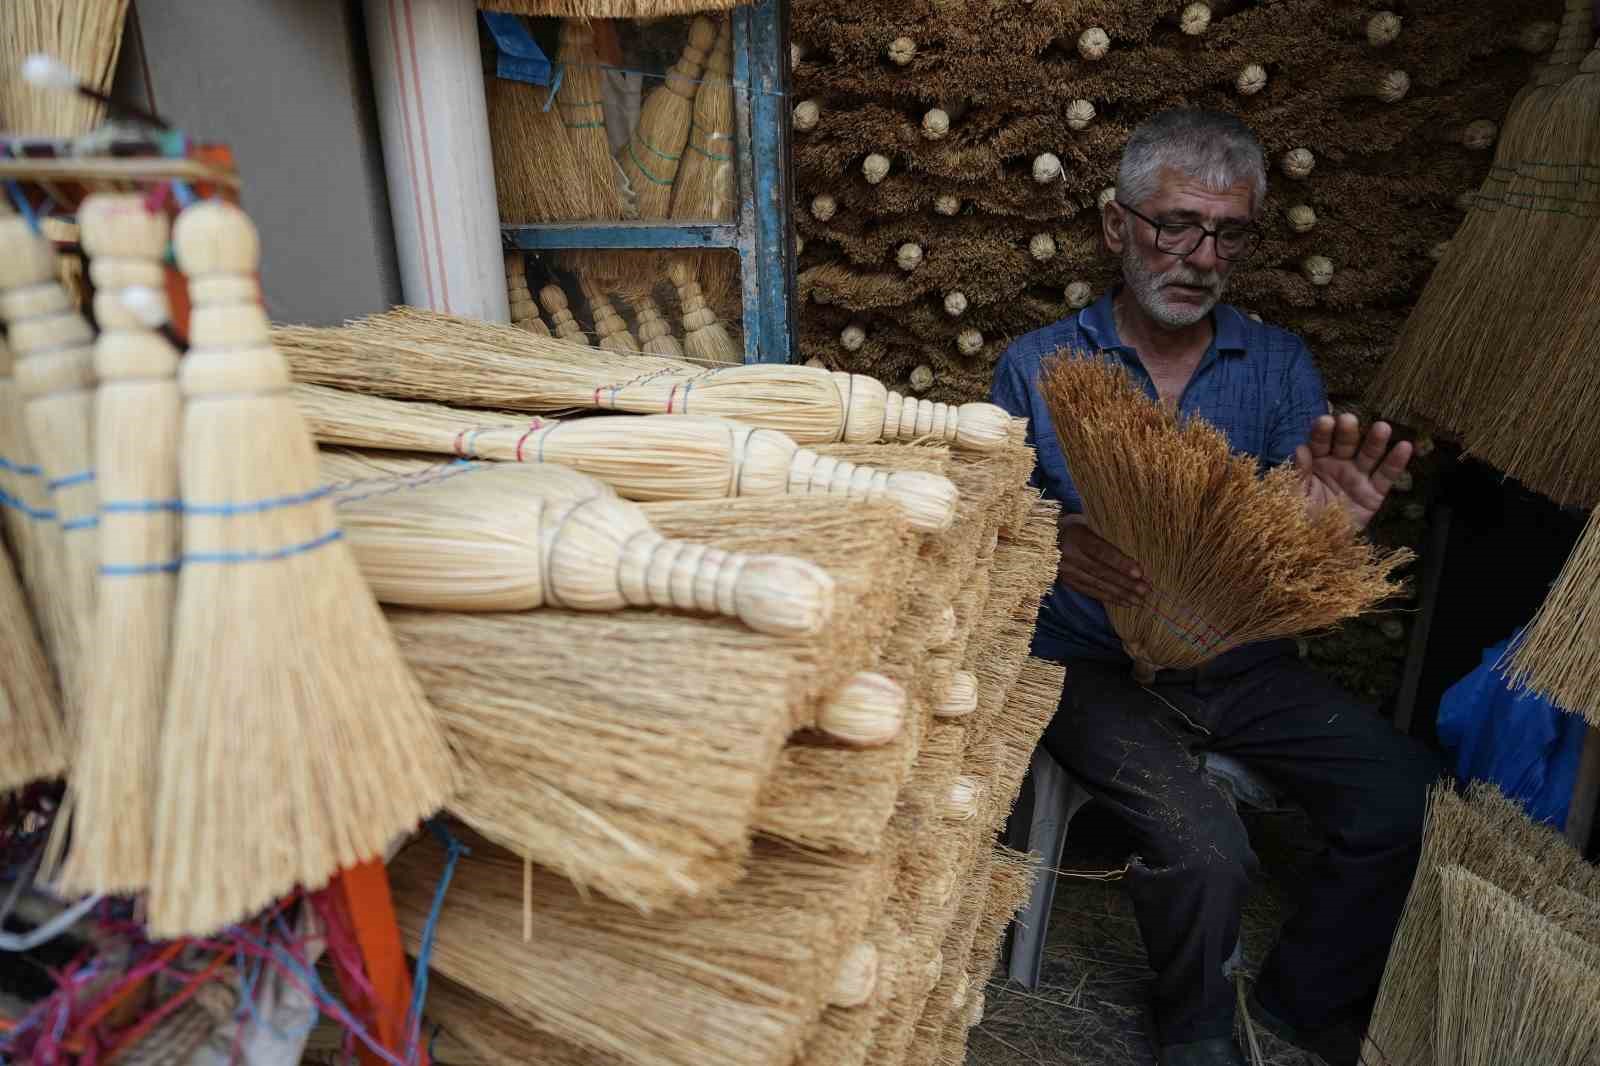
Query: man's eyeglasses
[1182,238]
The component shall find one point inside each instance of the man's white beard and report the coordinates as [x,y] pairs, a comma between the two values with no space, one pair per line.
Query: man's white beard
[1148,289]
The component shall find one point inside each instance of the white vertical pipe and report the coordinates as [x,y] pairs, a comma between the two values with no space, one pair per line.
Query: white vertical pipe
[428,80]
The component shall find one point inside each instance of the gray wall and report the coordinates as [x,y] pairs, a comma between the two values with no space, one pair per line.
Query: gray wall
[285,84]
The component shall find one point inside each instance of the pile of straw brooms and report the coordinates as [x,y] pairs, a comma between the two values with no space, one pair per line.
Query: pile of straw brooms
[734,717]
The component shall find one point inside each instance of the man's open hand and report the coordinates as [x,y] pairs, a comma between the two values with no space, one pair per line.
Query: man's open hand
[1339,466]
[1093,567]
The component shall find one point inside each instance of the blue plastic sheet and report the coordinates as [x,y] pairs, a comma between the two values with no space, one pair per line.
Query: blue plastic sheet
[518,55]
[1518,740]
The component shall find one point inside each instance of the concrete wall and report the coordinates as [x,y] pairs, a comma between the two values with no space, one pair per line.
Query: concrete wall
[285,83]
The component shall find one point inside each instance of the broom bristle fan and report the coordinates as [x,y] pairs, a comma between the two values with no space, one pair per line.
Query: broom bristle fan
[296,741]
[85,36]
[537,174]
[651,159]
[509,537]
[582,108]
[1232,557]
[654,457]
[54,374]
[412,354]
[1558,654]
[1463,310]
[137,415]
[33,744]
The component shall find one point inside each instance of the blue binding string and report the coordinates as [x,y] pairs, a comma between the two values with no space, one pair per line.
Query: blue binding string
[141,506]
[25,469]
[16,504]
[232,558]
[419,993]
[78,525]
[138,569]
[224,510]
[82,477]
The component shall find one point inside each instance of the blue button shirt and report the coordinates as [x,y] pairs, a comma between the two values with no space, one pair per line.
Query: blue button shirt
[1255,383]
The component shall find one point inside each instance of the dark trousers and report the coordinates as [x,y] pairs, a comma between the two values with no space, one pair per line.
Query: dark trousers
[1139,749]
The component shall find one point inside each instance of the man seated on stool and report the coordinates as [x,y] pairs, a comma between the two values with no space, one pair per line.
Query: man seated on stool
[1189,189]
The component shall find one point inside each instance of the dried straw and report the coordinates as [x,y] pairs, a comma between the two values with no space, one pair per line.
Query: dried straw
[54,374]
[538,176]
[1011,876]
[583,114]
[707,186]
[611,332]
[510,537]
[1233,557]
[650,161]
[137,415]
[655,335]
[412,354]
[705,338]
[85,36]
[735,979]
[295,742]
[1513,987]
[1557,653]
[34,746]
[656,457]
[842,1035]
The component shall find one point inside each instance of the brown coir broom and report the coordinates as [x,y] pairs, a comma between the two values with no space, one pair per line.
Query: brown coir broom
[54,373]
[1513,987]
[1558,654]
[411,354]
[32,743]
[296,741]
[1232,557]
[113,782]
[655,457]
[509,537]
[651,159]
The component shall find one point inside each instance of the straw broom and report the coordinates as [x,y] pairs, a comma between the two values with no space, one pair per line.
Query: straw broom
[509,537]
[1513,987]
[610,330]
[1233,558]
[422,355]
[706,187]
[136,438]
[34,747]
[733,980]
[582,108]
[656,457]
[842,1035]
[651,159]
[537,173]
[54,374]
[85,36]
[1556,654]
[704,336]
[323,738]
[655,336]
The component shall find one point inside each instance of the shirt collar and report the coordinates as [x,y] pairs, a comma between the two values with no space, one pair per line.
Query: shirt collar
[1098,322]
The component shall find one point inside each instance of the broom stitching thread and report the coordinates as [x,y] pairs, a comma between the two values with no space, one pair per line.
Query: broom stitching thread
[235,558]
[271,503]
[140,506]
[404,482]
[82,477]
[25,469]
[18,504]
[139,569]
[78,525]
[644,173]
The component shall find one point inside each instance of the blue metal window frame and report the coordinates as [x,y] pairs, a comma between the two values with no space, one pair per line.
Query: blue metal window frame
[761,234]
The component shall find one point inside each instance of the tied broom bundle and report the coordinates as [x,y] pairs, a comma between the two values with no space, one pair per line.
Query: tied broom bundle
[1558,654]
[411,354]
[54,374]
[137,410]
[704,335]
[1513,987]
[707,189]
[1232,558]
[655,457]
[84,36]
[537,173]
[611,332]
[582,106]
[507,537]
[651,159]
[32,746]
[285,682]
[655,336]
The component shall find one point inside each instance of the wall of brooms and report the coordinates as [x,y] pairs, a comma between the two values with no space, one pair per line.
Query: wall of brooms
[950,160]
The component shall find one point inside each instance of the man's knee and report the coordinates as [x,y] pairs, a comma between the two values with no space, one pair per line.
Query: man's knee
[1203,839]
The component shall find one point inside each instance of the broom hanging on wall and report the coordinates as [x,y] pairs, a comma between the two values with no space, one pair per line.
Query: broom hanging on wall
[1558,654]
[651,159]
[1233,558]
[296,741]
[509,537]
[418,355]
[54,374]
[136,439]
[582,105]
[537,174]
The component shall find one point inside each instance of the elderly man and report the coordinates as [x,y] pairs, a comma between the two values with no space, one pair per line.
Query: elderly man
[1189,189]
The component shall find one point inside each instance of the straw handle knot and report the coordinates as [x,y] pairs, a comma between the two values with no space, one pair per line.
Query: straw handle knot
[654,571]
[908,418]
[811,474]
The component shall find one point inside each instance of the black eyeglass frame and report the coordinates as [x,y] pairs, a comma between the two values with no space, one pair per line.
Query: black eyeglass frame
[1216,242]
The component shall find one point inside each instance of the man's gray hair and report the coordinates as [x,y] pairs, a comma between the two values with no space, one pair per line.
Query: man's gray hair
[1214,148]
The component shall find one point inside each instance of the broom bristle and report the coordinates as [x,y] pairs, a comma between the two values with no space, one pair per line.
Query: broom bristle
[1233,557]
[583,114]
[610,329]
[651,159]
[655,336]
[296,741]
[707,187]
[137,412]
[538,176]
[85,37]
[1558,654]
[1512,986]
[34,744]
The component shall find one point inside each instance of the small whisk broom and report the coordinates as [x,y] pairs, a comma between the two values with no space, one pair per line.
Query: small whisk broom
[296,742]
[136,439]
[33,746]
[421,355]
[1233,558]
[655,457]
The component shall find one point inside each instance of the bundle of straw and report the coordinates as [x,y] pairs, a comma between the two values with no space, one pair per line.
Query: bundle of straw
[707,186]
[554,301]
[650,161]
[321,734]
[524,312]
[34,747]
[656,457]
[85,36]
[1232,558]
[734,979]
[1558,654]
[411,354]
[113,783]
[54,374]
[538,176]
[582,105]
[611,332]
[704,335]
[655,336]
[508,537]
[1513,987]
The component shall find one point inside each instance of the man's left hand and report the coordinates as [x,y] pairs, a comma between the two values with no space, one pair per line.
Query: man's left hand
[1339,466]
